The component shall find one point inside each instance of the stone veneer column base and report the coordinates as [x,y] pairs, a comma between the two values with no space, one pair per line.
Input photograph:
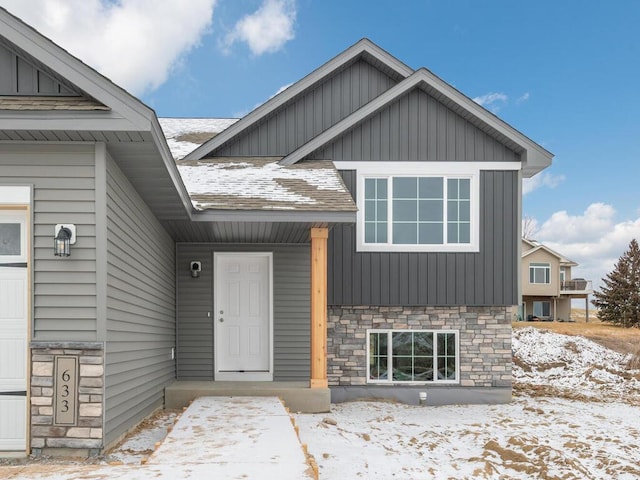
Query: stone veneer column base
[485,351]
[85,436]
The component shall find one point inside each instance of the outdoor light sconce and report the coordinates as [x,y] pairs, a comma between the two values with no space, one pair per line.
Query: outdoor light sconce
[196,268]
[64,237]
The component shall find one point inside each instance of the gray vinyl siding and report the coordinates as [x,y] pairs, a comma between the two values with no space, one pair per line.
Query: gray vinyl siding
[64,289]
[416,127]
[486,278]
[140,307]
[20,77]
[310,114]
[291,309]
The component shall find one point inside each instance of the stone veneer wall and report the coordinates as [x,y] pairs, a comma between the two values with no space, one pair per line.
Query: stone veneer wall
[86,435]
[485,340]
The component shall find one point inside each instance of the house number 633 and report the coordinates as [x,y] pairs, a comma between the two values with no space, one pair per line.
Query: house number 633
[65,390]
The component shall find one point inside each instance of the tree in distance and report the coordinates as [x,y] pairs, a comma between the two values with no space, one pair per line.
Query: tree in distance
[618,300]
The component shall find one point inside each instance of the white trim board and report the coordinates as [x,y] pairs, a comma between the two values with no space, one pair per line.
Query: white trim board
[15,195]
[410,168]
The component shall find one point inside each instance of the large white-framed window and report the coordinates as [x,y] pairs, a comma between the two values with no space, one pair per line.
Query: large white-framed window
[413,356]
[419,206]
[540,273]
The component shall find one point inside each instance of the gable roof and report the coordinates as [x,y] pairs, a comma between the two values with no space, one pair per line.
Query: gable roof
[363,49]
[535,157]
[537,246]
[128,127]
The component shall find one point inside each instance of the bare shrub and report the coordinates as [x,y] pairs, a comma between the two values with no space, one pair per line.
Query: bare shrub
[634,361]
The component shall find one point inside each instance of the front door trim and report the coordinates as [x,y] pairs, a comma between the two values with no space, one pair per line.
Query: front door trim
[250,376]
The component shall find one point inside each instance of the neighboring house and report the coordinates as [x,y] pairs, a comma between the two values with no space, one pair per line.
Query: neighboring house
[548,285]
[356,236]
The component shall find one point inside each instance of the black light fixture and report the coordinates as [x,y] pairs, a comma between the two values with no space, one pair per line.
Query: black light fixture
[65,236]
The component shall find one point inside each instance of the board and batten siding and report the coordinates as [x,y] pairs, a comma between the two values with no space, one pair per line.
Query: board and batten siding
[305,117]
[486,278]
[63,180]
[20,77]
[140,307]
[291,309]
[416,127]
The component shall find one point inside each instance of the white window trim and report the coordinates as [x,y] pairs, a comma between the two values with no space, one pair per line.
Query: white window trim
[390,380]
[539,265]
[469,170]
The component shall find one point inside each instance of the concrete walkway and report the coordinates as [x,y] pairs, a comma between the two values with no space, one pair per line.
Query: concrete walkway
[215,438]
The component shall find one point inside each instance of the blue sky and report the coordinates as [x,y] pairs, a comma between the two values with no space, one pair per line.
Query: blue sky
[565,73]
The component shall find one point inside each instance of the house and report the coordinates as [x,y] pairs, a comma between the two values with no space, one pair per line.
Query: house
[548,285]
[373,252]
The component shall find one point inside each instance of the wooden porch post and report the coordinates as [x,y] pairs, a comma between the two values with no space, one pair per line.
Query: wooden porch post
[319,307]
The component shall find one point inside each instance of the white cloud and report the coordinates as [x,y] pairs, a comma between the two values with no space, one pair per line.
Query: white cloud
[267,29]
[492,101]
[523,98]
[596,221]
[593,239]
[135,43]
[541,180]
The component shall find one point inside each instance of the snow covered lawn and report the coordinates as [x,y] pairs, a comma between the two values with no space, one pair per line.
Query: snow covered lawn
[529,438]
[588,429]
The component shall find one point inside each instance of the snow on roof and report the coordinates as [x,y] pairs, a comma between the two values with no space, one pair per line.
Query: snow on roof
[249,183]
[186,134]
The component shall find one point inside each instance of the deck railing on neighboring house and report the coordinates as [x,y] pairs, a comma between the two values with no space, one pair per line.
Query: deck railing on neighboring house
[576,285]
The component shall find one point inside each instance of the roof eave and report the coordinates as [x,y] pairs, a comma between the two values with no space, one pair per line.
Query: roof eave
[170,164]
[284,216]
[74,70]
[534,157]
[356,50]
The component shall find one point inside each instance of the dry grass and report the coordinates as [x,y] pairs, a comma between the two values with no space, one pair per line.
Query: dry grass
[619,339]
[634,361]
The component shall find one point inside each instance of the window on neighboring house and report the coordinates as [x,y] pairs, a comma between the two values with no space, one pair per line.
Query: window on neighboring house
[413,356]
[539,273]
[542,309]
[418,211]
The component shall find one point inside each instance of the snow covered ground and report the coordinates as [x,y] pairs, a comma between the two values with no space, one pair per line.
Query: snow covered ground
[589,429]
[575,415]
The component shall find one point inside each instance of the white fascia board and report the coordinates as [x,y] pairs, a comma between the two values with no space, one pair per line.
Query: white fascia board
[74,70]
[364,45]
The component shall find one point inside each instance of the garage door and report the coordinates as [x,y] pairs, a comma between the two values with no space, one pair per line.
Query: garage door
[13,330]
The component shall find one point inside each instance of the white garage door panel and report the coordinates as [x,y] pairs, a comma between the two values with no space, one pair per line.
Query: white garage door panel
[13,414]
[13,331]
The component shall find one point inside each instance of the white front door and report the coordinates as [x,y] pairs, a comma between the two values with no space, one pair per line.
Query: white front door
[13,330]
[242,316]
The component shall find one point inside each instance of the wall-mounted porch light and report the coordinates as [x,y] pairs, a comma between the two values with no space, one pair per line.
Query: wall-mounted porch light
[63,237]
